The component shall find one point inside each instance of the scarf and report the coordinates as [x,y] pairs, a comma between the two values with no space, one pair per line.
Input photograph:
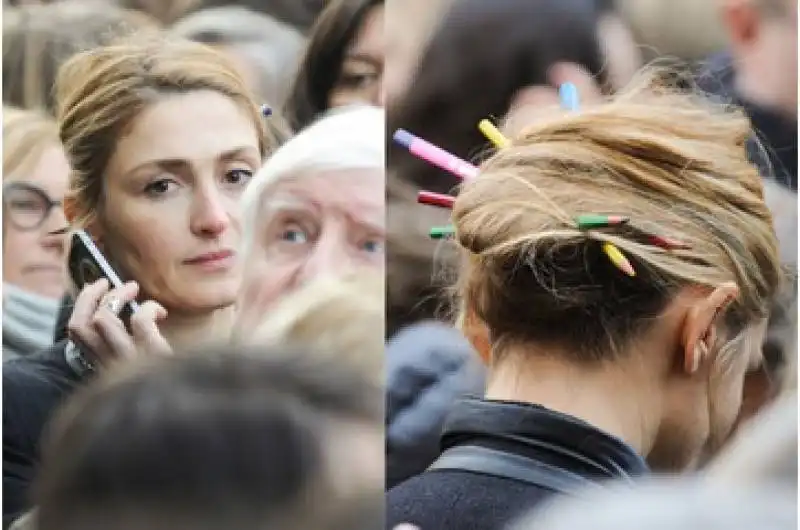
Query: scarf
[28,321]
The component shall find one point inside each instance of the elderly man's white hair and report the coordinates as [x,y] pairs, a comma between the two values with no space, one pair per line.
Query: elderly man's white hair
[349,138]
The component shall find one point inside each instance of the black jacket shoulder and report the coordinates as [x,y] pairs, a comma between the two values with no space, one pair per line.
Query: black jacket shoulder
[34,387]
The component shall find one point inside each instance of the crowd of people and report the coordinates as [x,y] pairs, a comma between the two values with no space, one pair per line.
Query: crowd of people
[590,322]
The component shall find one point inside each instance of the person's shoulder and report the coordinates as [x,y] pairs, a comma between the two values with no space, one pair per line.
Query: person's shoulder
[44,368]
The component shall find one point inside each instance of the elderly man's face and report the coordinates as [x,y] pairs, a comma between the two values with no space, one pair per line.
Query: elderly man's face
[326,223]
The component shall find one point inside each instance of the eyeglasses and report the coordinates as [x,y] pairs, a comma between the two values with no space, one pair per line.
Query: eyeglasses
[26,206]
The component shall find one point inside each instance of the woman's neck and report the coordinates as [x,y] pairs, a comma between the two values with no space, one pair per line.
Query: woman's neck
[189,331]
[609,397]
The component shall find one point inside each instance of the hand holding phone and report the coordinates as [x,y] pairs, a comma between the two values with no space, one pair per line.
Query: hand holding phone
[87,265]
[107,323]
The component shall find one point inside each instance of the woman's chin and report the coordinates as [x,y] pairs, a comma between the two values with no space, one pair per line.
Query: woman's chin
[204,297]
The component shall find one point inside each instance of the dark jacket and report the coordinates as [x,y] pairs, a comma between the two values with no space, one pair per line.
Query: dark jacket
[776,132]
[428,367]
[33,388]
[554,444]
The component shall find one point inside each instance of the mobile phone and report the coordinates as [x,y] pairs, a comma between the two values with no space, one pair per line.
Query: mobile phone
[87,265]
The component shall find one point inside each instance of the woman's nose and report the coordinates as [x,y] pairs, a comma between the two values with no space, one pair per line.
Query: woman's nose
[210,216]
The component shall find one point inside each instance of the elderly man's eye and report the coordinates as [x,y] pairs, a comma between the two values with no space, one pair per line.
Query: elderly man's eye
[372,246]
[294,234]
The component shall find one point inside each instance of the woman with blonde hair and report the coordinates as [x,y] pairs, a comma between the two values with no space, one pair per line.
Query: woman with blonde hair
[623,262]
[35,174]
[162,137]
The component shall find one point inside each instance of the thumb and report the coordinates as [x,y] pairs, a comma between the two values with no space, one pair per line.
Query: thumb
[146,335]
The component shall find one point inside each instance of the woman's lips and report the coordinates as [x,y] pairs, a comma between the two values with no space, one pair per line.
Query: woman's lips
[213,261]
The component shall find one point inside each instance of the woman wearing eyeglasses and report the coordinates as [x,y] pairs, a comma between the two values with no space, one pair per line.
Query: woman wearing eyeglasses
[35,172]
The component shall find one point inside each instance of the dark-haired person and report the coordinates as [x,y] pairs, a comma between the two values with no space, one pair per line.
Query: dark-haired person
[478,61]
[343,62]
[618,348]
[278,438]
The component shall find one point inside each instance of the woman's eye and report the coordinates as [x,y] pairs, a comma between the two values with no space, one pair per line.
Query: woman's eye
[357,81]
[160,187]
[372,246]
[26,205]
[238,177]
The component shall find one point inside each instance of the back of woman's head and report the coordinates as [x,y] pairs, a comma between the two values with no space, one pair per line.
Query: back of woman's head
[479,57]
[26,135]
[100,93]
[38,39]
[672,163]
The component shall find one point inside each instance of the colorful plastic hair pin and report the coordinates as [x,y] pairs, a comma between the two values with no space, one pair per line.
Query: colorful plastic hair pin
[618,259]
[666,243]
[589,221]
[493,134]
[435,155]
[266,110]
[442,232]
[568,94]
[435,199]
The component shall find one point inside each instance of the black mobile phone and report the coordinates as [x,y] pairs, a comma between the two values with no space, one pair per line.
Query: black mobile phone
[87,265]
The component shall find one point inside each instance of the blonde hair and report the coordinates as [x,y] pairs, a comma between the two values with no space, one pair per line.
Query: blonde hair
[99,93]
[662,155]
[341,316]
[26,136]
[38,39]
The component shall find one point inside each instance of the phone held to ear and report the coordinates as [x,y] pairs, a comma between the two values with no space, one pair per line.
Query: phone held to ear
[87,265]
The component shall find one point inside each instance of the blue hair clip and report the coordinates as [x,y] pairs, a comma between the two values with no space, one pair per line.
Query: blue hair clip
[568,94]
[266,110]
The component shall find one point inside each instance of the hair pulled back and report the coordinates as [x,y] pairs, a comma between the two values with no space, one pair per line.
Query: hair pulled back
[100,92]
[659,154]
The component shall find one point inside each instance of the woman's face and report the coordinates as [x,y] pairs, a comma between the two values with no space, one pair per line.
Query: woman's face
[33,259]
[361,78]
[170,219]
[326,223]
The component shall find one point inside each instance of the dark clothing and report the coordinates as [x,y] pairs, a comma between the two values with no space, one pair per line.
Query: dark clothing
[33,388]
[777,133]
[64,314]
[429,366]
[449,499]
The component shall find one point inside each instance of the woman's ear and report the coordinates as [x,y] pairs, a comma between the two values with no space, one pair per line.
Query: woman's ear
[477,334]
[70,209]
[700,324]
[93,228]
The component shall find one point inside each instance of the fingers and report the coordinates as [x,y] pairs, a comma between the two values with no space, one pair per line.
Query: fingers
[144,328]
[529,105]
[116,343]
[94,325]
[86,304]
[588,89]
[534,103]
